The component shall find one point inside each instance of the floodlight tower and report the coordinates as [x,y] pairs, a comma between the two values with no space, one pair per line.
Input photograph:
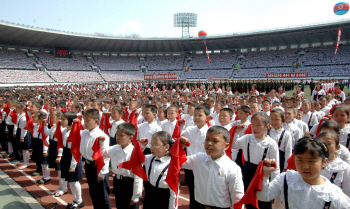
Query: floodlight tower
[185,20]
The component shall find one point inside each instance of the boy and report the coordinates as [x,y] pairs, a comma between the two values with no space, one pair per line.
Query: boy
[189,117]
[225,118]
[149,127]
[127,186]
[211,102]
[218,106]
[266,107]
[196,136]
[273,96]
[233,107]
[254,107]
[172,113]
[308,117]
[225,186]
[299,115]
[98,183]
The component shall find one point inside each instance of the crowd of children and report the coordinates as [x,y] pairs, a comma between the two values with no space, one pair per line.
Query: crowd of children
[299,148]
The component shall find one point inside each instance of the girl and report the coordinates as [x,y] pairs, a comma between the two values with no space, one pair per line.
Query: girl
[117,112]
[3,138]
[257,147]
[157,191]
[342,152]
[324,107]
[340,115]
[318,92]
[162,118]
[299,92]
[304,188]
[71,170]
[23,136]
[283,138]
[280,92]
[337,171]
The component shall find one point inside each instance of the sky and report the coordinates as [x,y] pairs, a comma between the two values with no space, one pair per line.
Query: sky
[154,18]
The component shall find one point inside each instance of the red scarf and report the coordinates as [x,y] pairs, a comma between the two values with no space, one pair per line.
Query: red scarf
[42,131]
[280,93]
[255,185]
[137,158]
[27,116]
[298,92]
[97,155]
[58,136]
[104,123]
[178,117]
[178,157]
[14,117]
[291,163]
[232,134]
[30,125]
[319,125]
[75,138]
[63,109]
[208,123]
[176,134]
[248,130]
[338,92]
[217,89]
[7,109]
[125,116]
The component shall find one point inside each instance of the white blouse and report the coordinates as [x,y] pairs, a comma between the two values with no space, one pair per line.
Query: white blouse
[302,194]
[286,144]
[343,153]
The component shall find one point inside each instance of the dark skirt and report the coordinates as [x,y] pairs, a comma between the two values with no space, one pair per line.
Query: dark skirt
[26,145]
[53,155]
[37,155]
[156,197]
[10,134]
[65,165]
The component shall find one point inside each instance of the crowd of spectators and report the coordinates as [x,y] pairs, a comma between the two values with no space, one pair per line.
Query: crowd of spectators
[24,76]
[15,60]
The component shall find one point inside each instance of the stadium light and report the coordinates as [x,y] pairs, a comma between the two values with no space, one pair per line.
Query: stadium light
[185,20]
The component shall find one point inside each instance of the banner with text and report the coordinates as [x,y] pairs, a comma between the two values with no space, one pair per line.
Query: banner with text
[217,78]
[287,75]
[169,76]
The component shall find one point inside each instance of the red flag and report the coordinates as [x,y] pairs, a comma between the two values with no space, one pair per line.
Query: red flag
[7,109]
[14,117]
[248,130]
[104,123]
[291,163]
[125,116]
[97,155]
[255,185]
[43,136]
[178,117]
[75,138]
[58,136]
[176,134]
[135,162]
[29,125]
[232,134]
[338,40]
[133,118]
[27,116]
[178,157]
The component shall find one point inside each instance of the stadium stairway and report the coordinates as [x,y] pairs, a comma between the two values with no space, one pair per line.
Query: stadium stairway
[50,77]
[101,76]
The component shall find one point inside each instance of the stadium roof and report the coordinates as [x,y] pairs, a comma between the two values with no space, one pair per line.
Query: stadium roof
[31,37]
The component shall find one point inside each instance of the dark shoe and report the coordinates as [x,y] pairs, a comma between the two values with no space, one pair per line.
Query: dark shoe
[43,182]
[11,155]
[75,205]
[14,161]
[5,156]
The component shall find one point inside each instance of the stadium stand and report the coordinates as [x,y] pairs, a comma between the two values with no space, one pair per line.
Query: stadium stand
[217,61]
[76,62]
[15,60]
[164,62]
[75,76]
[117,63]
[24,76]
[122,76]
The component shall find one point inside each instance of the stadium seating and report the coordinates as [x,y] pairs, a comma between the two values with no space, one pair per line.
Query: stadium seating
[208,73]
[77,62]
[164,62]
[15,60]
[75,76]
[218,61]
[117,63]
[122,76]
[24,76]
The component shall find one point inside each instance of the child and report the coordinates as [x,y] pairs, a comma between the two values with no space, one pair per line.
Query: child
[266,107]
[318,92]
[288,125]
[172,113]
[342,152]
[3,136]
[10,132]
[76,107]
[282,137]
[341,115]
[308,117]
[225,178]
[150,127]
[189,117]
[157,191]
[116,115]
[23,137]
[211,102]
[339,92]
[106,105]
[280,92]
[256,92]
[254,107]
[273,96]
[127,186]
[72,171]
[98,183]
[217,107]
[196,136]
[324,107]
[337,171]
[162,116]
[299,117]
[257,147]
[225,118]
[233,107]
[299,92]
[304,188]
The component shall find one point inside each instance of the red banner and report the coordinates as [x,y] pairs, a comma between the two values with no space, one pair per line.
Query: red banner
[338,40]
[169,76]
[287,75]
[217,78]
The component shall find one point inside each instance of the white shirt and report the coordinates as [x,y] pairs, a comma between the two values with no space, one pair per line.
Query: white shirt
[65,135]
[343,153]
[87,141]
[196,137]
[237,135]
[9,122]
[301,125]
[343,136]
[146,130]
[294,130]
[114,129]
[310,119]
[342,179]
[274,100]
[326,110]
[118,155]
[217,182]
[21,122]
[161,122]
[256,150]
[170,126]
[216,117]
[157,168]
[302,194]
[320,93]
[189,120]
[228,126]
[286,144]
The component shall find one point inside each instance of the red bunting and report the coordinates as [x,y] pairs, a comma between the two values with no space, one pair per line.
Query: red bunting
[135,162]
[97,155]
[7,109]
[104,123]
[75,138]
[14,117]
[29,125]
[176,134]
[58,135]
[42,131]
[291,163]
[255,185]
[178,157]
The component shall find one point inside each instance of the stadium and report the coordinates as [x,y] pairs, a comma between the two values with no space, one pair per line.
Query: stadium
[51,78]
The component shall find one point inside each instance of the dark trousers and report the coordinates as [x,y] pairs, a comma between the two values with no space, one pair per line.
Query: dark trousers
[99,191]
[123,191]
[190,182]
[201,206]
[16,143]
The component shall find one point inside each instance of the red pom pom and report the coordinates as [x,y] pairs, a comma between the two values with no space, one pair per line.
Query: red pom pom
[188,144]
[146,140]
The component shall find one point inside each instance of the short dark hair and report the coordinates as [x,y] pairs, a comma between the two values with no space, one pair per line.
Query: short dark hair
[244,108]
[70,115]
[128,128]
[93,113]
[165,137]
[219,102]
[341,107]
[58,112]
[314,145]
[194,104]
[331,134]
[152,108]
[261,115]
[278,111]
[228,110]
[220,130]
[203,107]
[330,124]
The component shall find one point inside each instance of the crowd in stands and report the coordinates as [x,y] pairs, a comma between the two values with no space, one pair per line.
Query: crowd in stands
[23,76]
[117,63]
[15,60]
[75,76]
[76,62]
[208,73]
[324,55]
[218,61]
[122,76]
[164,62]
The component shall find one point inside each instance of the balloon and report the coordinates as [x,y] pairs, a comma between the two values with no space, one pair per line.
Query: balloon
[202,34]
[341,8]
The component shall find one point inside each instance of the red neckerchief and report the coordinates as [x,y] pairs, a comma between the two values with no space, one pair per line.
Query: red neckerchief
[254,90]
[280,93]
[184,89]
[163,90]
[298,92]
[318,90]
[217,89]
[338,92]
